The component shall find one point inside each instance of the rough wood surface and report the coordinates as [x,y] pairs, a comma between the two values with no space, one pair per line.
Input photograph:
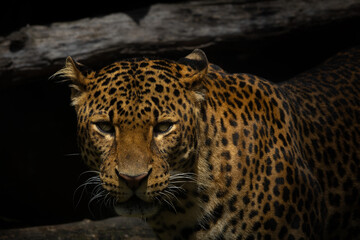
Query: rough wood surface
[118,228]
[37,51]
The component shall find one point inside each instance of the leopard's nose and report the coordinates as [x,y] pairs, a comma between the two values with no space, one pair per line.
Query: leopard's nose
[132,181]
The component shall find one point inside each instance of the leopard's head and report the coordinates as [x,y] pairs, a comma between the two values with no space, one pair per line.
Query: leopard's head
[138,126]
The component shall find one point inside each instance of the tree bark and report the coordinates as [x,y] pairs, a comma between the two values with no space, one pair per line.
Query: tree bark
[38,51]
[113,228]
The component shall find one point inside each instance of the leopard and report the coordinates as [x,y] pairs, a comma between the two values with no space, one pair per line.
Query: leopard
[200,153]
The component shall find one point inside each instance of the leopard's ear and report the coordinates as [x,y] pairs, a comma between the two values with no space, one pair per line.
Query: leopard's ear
[76,73]
[198,62]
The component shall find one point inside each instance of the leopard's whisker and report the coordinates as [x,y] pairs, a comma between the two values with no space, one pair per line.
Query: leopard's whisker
[91,172]
[95,180]
[172,194]
[72,154]
[168,201]
[100,194]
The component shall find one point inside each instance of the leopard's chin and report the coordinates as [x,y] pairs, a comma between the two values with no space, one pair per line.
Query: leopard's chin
[135,207]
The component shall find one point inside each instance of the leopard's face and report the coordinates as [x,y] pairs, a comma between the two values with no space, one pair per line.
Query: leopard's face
[137,126]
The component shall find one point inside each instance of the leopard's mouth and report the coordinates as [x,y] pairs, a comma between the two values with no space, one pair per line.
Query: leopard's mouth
[135,207]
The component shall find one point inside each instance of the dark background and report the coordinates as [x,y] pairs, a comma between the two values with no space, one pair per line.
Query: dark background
[38,169]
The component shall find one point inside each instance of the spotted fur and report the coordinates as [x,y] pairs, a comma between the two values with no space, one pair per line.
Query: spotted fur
[204,154]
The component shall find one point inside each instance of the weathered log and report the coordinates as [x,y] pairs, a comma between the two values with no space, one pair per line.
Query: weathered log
[111,229]
[39,50]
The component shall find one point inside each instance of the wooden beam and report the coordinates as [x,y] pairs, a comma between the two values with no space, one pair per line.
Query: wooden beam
[38,51]
[112,228]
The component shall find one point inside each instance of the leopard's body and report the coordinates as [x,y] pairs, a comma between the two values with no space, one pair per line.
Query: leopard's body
[204,154]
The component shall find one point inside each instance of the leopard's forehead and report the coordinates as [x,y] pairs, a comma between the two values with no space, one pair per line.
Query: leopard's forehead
[131,89]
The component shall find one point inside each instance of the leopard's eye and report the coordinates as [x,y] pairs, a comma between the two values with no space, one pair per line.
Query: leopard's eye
[105,127]
[163,127]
